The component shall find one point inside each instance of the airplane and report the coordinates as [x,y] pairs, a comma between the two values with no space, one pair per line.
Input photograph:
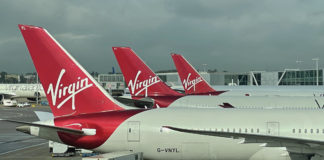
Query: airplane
[265,102]
[86,116]
[143,83]
[193,83]
[267,90]
[9,92]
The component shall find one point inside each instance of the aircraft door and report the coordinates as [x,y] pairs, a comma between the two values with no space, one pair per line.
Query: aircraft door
[133,131]
[273,128]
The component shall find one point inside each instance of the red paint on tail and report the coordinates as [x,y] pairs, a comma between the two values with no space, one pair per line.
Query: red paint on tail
[69,88]
[141,80]
[193,83]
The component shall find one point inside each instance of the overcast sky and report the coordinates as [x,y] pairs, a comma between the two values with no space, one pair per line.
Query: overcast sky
[232,35]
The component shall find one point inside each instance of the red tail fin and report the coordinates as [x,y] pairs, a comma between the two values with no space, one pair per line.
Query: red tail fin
[140,79]
[192,82]
[69,88]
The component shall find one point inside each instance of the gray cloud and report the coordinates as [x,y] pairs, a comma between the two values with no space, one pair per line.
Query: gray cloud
[230,35]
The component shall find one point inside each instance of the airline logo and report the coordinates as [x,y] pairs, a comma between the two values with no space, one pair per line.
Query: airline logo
[70,90]
[138,86]
[188,84]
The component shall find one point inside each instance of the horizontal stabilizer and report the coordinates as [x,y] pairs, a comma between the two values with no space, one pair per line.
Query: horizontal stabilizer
[26,127]
[141,103]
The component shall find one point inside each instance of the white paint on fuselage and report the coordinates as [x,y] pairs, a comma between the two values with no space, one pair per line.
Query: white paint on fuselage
[22,90]
[152,121]
[272,90]
[268,90]
[265,102]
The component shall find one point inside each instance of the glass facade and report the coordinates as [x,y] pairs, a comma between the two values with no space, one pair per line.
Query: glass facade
[292,77]
[113,83]
[242,79]
[111,78]
[163,77]
[305,77]
[258,78]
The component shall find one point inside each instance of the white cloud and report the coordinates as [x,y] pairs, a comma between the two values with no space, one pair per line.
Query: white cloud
[221,32]
[9,40]
[72,36]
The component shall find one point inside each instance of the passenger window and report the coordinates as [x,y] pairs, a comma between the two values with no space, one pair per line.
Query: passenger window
[293,130]
[233,130]
[228,130]
[311,130]
[305,130]
[240,130]
[317,130]
[251,130]
[247,130]
[258,130]
[299,130]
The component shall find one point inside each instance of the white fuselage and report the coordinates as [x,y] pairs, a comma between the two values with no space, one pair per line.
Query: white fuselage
[145,132]
[265,102]
[268,90]
[21,90]
[149,136]
[273,90]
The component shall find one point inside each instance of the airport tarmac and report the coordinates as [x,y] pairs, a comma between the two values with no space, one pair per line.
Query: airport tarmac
[17,145]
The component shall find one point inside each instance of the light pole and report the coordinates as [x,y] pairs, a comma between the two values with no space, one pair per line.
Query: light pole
[37,93]
[204,66]
[298,62]
[316,61]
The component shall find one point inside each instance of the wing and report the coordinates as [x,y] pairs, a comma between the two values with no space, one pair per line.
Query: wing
[300,146]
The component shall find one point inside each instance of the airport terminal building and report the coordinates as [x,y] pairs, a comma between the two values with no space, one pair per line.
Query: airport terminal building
[286,77]
[272,78]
